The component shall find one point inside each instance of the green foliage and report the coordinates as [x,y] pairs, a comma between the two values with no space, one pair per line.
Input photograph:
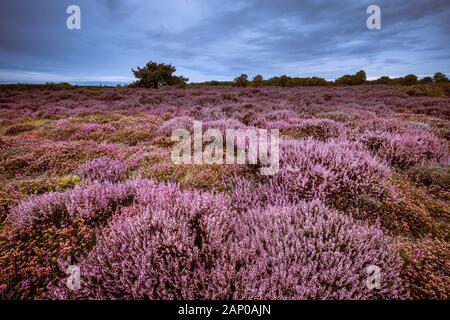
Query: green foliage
[155,74]
[426,80]
[440,77]
[257,80]
[431,175]
[409,79]
[241,81]
[356,79]
[383,80]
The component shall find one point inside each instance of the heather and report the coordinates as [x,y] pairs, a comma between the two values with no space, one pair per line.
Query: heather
[187,245]
[86,178]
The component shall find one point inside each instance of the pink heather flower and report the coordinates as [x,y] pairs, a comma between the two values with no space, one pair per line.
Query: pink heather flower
[176,244]
[406,149]
[95,203]
[169,126]
[95,127]
[308,251]
[102,169]
[61,122]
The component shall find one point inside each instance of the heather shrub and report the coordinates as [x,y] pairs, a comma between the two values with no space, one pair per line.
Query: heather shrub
[61,122]
[431,175]
[18,128]
[173,246]
[94,203]
[333,171]
[188,245]
[223,125]
[426,269]
[337,172]
[319,129]
[169,126]
[411,212]
[308,251]
[93,130]
[340,116]
[29,255]
[403,150]
[103,169]
[32,157]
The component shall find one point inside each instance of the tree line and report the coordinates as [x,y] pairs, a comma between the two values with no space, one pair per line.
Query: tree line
[153,75]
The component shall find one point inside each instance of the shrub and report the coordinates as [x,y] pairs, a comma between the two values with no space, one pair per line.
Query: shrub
[188,245]
[169,126]
[173,246]
[103,169]
[331,170]
[18,128]
[403,150]
[29,255]
[94,128]
[319,129]
[426,269]
[431,175]
[94,203]
[308,251]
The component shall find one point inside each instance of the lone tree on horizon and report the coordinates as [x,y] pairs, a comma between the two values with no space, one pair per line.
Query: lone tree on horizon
[153,75]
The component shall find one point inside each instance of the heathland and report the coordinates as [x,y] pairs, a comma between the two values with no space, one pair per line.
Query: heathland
[86,179]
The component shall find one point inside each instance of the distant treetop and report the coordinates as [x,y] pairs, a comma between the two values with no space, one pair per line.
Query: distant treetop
[154,75]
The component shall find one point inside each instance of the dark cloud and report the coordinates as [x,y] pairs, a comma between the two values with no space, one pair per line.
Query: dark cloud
[209,39]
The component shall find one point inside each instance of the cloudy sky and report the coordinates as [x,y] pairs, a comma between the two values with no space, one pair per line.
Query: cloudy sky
[209,39]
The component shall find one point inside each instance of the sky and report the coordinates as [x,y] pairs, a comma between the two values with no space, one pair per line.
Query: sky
[218,40]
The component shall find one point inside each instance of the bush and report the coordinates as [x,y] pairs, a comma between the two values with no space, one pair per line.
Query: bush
[319,129]
[103,169]
[29,255]
[431,175]
[94,203]
[241,81]
[426,269]
[169,126]
[308,251]
[172,246]
[177,244]
[333,170]
[403,150]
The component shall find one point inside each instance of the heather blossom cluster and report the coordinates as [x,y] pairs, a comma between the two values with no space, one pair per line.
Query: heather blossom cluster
[174,244]
[102,169]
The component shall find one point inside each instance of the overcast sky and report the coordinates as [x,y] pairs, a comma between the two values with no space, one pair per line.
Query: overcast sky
[208,39]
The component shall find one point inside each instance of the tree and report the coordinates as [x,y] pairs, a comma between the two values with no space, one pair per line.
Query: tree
[241,81]
[383,80]
[409,79]
[284,79]
[155,74]
[357,78]
[257,80]
[360,77]
[440,77]
[426,80]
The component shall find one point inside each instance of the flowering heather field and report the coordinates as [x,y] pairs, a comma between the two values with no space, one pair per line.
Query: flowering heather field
[86,179]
